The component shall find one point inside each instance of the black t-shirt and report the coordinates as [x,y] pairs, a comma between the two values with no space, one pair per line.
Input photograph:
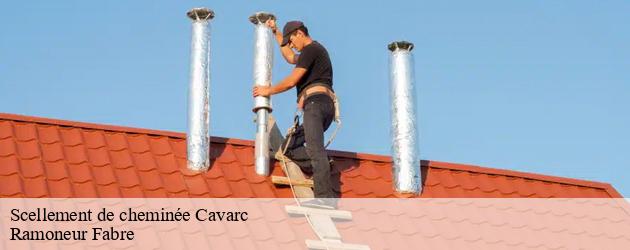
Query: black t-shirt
[314,58]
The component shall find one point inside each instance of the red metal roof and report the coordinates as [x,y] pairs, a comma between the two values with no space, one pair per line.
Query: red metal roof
[42,157]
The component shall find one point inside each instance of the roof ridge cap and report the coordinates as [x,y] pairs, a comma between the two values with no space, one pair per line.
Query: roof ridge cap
[89,125]
[520,174]
[115,128]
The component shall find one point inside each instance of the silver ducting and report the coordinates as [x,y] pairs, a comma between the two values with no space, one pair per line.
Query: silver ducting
[263,62]
[198,137]
[406,168]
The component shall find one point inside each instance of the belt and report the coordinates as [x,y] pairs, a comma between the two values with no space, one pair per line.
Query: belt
[314,90]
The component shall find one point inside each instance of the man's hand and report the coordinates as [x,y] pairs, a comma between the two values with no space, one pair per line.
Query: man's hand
[262,91]
[272,25]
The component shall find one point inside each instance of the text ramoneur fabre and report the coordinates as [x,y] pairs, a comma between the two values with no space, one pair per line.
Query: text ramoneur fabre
[99,233]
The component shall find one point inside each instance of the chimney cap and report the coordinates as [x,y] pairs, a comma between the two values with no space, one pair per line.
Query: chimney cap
[261,17]
[400,45]
[199,14]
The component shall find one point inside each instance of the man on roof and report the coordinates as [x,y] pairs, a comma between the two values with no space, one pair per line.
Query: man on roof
[313,79]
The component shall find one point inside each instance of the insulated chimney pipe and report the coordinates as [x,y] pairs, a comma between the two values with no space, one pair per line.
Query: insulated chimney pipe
[263,62]
[406,169]
[198,137]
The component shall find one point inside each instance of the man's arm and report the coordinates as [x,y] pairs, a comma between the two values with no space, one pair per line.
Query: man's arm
[287,52]
[289,81]
[284,85]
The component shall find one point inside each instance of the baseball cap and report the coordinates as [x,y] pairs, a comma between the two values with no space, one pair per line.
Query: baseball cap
[288,29]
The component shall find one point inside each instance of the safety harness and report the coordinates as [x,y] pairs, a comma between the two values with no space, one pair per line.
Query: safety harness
[337,118]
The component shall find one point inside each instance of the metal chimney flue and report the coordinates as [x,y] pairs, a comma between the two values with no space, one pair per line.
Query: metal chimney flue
[263,62]
[198,137]
[406,168]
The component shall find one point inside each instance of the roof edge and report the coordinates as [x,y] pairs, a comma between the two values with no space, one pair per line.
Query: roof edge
[344,154]
[613,192]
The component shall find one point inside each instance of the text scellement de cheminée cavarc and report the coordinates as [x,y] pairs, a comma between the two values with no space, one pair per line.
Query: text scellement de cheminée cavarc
[109,233]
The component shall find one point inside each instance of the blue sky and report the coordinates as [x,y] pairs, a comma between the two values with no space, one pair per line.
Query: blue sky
[534,86]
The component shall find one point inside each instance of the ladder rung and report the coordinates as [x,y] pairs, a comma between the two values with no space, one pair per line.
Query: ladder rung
[282,180]
[313,244]
[337,214]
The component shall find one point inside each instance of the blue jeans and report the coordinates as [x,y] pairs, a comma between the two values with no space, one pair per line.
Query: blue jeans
[306,147]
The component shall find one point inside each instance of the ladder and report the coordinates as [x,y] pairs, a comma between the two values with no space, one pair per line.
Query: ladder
[321,220]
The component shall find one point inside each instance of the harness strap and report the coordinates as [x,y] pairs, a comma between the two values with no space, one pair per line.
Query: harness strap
[337,120]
